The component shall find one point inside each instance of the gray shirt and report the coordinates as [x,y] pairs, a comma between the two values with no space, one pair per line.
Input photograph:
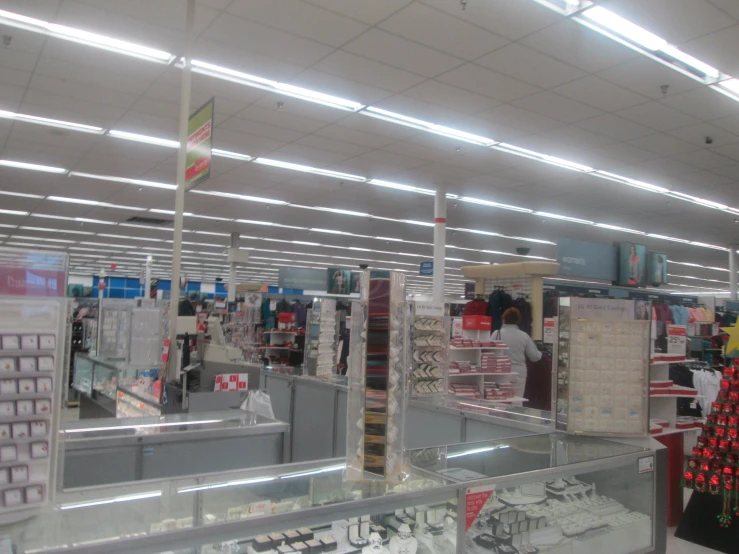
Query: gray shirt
[520,347]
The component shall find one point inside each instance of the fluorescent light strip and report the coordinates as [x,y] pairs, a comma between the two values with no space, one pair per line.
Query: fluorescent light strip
[308,169]
[25,118]
[144,138]
[124,180]
[84,37]
[116,500]
[32,167]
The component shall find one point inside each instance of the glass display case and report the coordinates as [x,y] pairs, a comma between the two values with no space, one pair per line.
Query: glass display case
[293,508]
[551,492]
[541,493]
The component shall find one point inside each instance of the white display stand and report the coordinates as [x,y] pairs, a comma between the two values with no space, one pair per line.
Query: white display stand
[31,368]
[429,349]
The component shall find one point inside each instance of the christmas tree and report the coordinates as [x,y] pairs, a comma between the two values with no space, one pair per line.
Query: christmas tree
[713,466]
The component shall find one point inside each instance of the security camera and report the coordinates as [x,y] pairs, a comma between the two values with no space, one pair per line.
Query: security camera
[363,266]
[709,140]
[523,250]
[219,279]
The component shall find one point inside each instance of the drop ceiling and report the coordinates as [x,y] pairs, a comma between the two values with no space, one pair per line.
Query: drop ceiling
[511,70]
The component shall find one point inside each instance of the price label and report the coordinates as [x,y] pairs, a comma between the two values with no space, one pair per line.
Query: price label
[549,330]
[677,336]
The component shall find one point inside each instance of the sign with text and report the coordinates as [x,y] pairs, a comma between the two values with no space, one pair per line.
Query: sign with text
[199,145]
[607,308]
[587,259]
[301,278]
[677,338]
[427,268]
[469,291]
[549,330]
[429,309]
[475,501]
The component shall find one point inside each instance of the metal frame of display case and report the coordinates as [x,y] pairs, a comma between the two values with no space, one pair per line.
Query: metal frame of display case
[88,394]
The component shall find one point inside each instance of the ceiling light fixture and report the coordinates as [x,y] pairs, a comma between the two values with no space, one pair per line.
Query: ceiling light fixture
[564,218]
[231,155]
[630,182]
[617,228]
[92,203]
[13,212]
[51,122]
[84,37]
[112,179]
[144,138]
[494,204]
[553,160]
[398,186]
[624,28]
[308,169]
[240,197]
[33,167]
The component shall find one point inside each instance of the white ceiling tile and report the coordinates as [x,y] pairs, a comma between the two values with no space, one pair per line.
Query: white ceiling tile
[530,66]
[676,21]
[361,10]
[557,107]
[663,144]
[512,19]
[363,70]
[441,31]
[656,115]
[730,150]
[519,119]
[259,39]
[705,159]
[301,19]
[728,6]
[488,83]
[705,104]
[331,145]
[579,46]
[600,94]
[615,127]
[146,123]
[354,137]
[262,130]
[451,97]
[40,9]
[573,139]
[656,170]
[341,87]
[625,153]
[83,110]
[18,56]
[307,155]
[647,76]
[397,52]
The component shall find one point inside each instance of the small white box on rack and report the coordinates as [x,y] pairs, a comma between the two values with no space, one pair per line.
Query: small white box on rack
[26,386]
[7,364]
[46,342]
[8,453]
[7,409]
[19,474]
[20,430]
[44,384]
[27,363]
[29,342]
[43,407]
[8,386]
[24,407]
[38,429]
[13,497]
[45,363]
[39,450]
[34,494]
[10,342]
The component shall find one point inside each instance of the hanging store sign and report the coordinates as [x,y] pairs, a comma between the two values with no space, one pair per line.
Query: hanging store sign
[586,259]
[299,278]
[199,145]
[427,268]
[469,291]
[607,308]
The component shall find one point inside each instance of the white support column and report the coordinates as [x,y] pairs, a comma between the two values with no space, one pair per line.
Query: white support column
[439,245]
[232,269]
[180,195]
[147,277]
[732,271]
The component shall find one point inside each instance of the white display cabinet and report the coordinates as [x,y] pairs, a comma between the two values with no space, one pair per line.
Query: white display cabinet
[603,353]
[321,338]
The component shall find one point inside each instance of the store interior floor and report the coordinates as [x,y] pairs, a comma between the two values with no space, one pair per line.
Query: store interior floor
[679,546]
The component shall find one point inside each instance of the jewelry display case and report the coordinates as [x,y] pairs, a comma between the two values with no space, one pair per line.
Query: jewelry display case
[429,343]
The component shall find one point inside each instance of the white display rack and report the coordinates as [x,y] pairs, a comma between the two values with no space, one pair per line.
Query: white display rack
[322,338]
[663,407]
[474,356]
[31,359]
[429,343]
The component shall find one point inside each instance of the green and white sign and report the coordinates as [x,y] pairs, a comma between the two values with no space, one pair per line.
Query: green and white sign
[199,145]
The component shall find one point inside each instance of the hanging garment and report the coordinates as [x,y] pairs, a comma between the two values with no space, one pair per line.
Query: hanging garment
[523,306]
[680,315]
[283,306]
[264,309]
[539,384]
[498,302]
[300,311]
[476,307]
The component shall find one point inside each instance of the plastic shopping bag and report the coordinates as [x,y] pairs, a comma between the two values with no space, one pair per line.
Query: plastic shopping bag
[258,402]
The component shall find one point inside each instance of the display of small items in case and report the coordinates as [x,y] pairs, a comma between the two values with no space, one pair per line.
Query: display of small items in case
[10,342]
[29,342]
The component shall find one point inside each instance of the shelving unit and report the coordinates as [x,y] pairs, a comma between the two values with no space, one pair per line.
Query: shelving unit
[660,405]
[321,338]
[474,356]
[429,349]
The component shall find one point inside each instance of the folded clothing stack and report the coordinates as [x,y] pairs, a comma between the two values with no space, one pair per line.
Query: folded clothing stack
[495,364]
[467,391]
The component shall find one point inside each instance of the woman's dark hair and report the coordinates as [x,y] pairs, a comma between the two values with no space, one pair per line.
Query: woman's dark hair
[511,316]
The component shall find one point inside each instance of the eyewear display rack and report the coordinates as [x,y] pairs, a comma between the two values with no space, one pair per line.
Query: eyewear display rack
[322,338]
[376,378]
[429,340]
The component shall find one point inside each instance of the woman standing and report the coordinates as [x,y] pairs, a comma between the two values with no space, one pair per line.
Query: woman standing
[634,266]
[520,348]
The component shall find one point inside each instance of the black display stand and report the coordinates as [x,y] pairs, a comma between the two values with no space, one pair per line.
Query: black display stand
[700,525]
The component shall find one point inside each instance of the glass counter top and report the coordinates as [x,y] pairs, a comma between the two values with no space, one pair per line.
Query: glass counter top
[171,423]
[101,515]
[497,458]
[521,414]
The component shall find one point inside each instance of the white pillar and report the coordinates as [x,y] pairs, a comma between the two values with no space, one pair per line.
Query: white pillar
[732,271]
[232,269]
[439,244]
[180,195]
[147,277]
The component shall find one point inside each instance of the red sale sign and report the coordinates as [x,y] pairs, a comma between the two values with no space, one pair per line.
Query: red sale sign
[475,500]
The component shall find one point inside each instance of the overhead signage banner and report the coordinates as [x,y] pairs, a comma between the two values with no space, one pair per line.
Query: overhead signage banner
[632,267]
[300,278]
[427,268]
[339,281]
[579,258]
[657,268]
[199,145]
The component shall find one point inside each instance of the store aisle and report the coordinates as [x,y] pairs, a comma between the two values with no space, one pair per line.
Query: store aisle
[679,546]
